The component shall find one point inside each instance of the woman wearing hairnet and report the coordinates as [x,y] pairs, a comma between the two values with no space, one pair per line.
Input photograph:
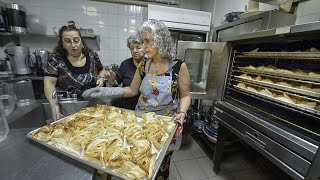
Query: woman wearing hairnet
[126,72]
[164,83]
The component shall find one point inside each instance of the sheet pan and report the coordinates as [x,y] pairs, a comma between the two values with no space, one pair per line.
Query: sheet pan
[110,171]
[292,76]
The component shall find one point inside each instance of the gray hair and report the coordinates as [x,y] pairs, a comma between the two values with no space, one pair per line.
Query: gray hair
[133,39]
[162,37]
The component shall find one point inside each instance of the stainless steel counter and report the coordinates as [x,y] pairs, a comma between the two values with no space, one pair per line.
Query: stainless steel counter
[22,77]
[20,111]
[24,159]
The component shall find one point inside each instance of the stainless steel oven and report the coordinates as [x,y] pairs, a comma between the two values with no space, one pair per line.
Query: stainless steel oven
[270,96]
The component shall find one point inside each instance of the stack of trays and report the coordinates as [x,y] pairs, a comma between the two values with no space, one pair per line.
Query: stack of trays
[210,132]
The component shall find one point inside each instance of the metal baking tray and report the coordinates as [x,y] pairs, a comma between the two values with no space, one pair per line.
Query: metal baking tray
[292,76]
[277,77]
[278,101]
[107,170]
[280,55]
[281,87]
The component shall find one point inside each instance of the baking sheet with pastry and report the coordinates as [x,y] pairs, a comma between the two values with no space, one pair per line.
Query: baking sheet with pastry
[315,78]
[282,55]
[281,87]
[279,97]
[113,140]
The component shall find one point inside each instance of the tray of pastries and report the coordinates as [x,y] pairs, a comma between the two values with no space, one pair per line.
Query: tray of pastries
[281,97]
[274,71]
[294,87]
[113,140]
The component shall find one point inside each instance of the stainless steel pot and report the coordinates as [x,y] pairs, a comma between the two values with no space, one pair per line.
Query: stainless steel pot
[20,61]
[16,18]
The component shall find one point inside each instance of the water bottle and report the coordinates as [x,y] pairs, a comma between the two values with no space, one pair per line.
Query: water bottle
[4,128]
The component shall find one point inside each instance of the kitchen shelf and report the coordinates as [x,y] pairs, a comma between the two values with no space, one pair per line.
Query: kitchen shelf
[91,39]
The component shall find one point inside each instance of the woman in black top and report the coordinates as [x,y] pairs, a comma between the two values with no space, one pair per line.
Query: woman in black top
[126,72]
[73,66]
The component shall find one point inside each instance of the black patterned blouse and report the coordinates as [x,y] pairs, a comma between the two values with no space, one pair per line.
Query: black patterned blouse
[74,79]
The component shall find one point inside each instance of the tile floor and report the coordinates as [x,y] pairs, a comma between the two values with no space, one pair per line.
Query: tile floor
[192,163]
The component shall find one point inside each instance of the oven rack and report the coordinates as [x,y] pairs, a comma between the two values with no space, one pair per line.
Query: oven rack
[280,87]
[279,91]
[277,77]
[277,104]
[291,76]
[309,110]
[279,55]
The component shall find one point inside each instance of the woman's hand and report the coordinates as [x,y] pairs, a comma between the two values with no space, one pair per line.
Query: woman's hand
[110,75]
[100,82]
[180,118]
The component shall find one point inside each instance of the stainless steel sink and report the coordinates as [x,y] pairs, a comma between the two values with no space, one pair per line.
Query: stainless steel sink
[39,114]
[66,108]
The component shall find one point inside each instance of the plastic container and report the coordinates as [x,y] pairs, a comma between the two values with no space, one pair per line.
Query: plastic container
[24,93]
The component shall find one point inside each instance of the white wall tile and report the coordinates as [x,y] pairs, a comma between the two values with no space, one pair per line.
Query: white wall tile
[123,33]
[122,21]
[104,57]
[114,56]
[122,56]
[113,32]
[311,7]
[112,8]
[97,6]
[122,9]
[114,44]
[48,14]
[103,31]
[107,19]
[122,45]
[104,43]
[71,4]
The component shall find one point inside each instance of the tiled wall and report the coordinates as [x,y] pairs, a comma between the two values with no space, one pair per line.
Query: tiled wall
[113,22]
[308,11]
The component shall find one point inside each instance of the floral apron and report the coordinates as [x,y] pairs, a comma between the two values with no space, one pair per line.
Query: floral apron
[156,97]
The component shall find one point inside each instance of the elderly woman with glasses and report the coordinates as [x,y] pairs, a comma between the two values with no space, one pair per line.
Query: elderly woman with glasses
[125,73]
[72,66]
[162,80]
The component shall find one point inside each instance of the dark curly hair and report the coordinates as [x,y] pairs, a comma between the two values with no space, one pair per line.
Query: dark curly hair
[59,50]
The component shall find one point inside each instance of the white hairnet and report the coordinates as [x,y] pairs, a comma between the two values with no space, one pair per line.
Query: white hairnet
[162,37]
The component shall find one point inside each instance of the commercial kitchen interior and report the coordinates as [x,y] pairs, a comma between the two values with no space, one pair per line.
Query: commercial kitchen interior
[112,22]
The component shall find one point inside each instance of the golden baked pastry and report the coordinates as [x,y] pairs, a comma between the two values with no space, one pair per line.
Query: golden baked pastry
[140,147]
[132,170]
[147,163]
[250,67]
[242,85]
[245,76]
[111,137]
[267,81]
[266,92]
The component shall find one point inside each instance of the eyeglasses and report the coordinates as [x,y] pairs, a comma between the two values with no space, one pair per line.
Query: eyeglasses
[76,41]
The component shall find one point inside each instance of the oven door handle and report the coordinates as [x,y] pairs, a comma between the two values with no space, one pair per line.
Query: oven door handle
[254,138]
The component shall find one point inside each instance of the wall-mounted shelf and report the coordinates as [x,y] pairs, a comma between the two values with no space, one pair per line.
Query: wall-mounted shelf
[93,41]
